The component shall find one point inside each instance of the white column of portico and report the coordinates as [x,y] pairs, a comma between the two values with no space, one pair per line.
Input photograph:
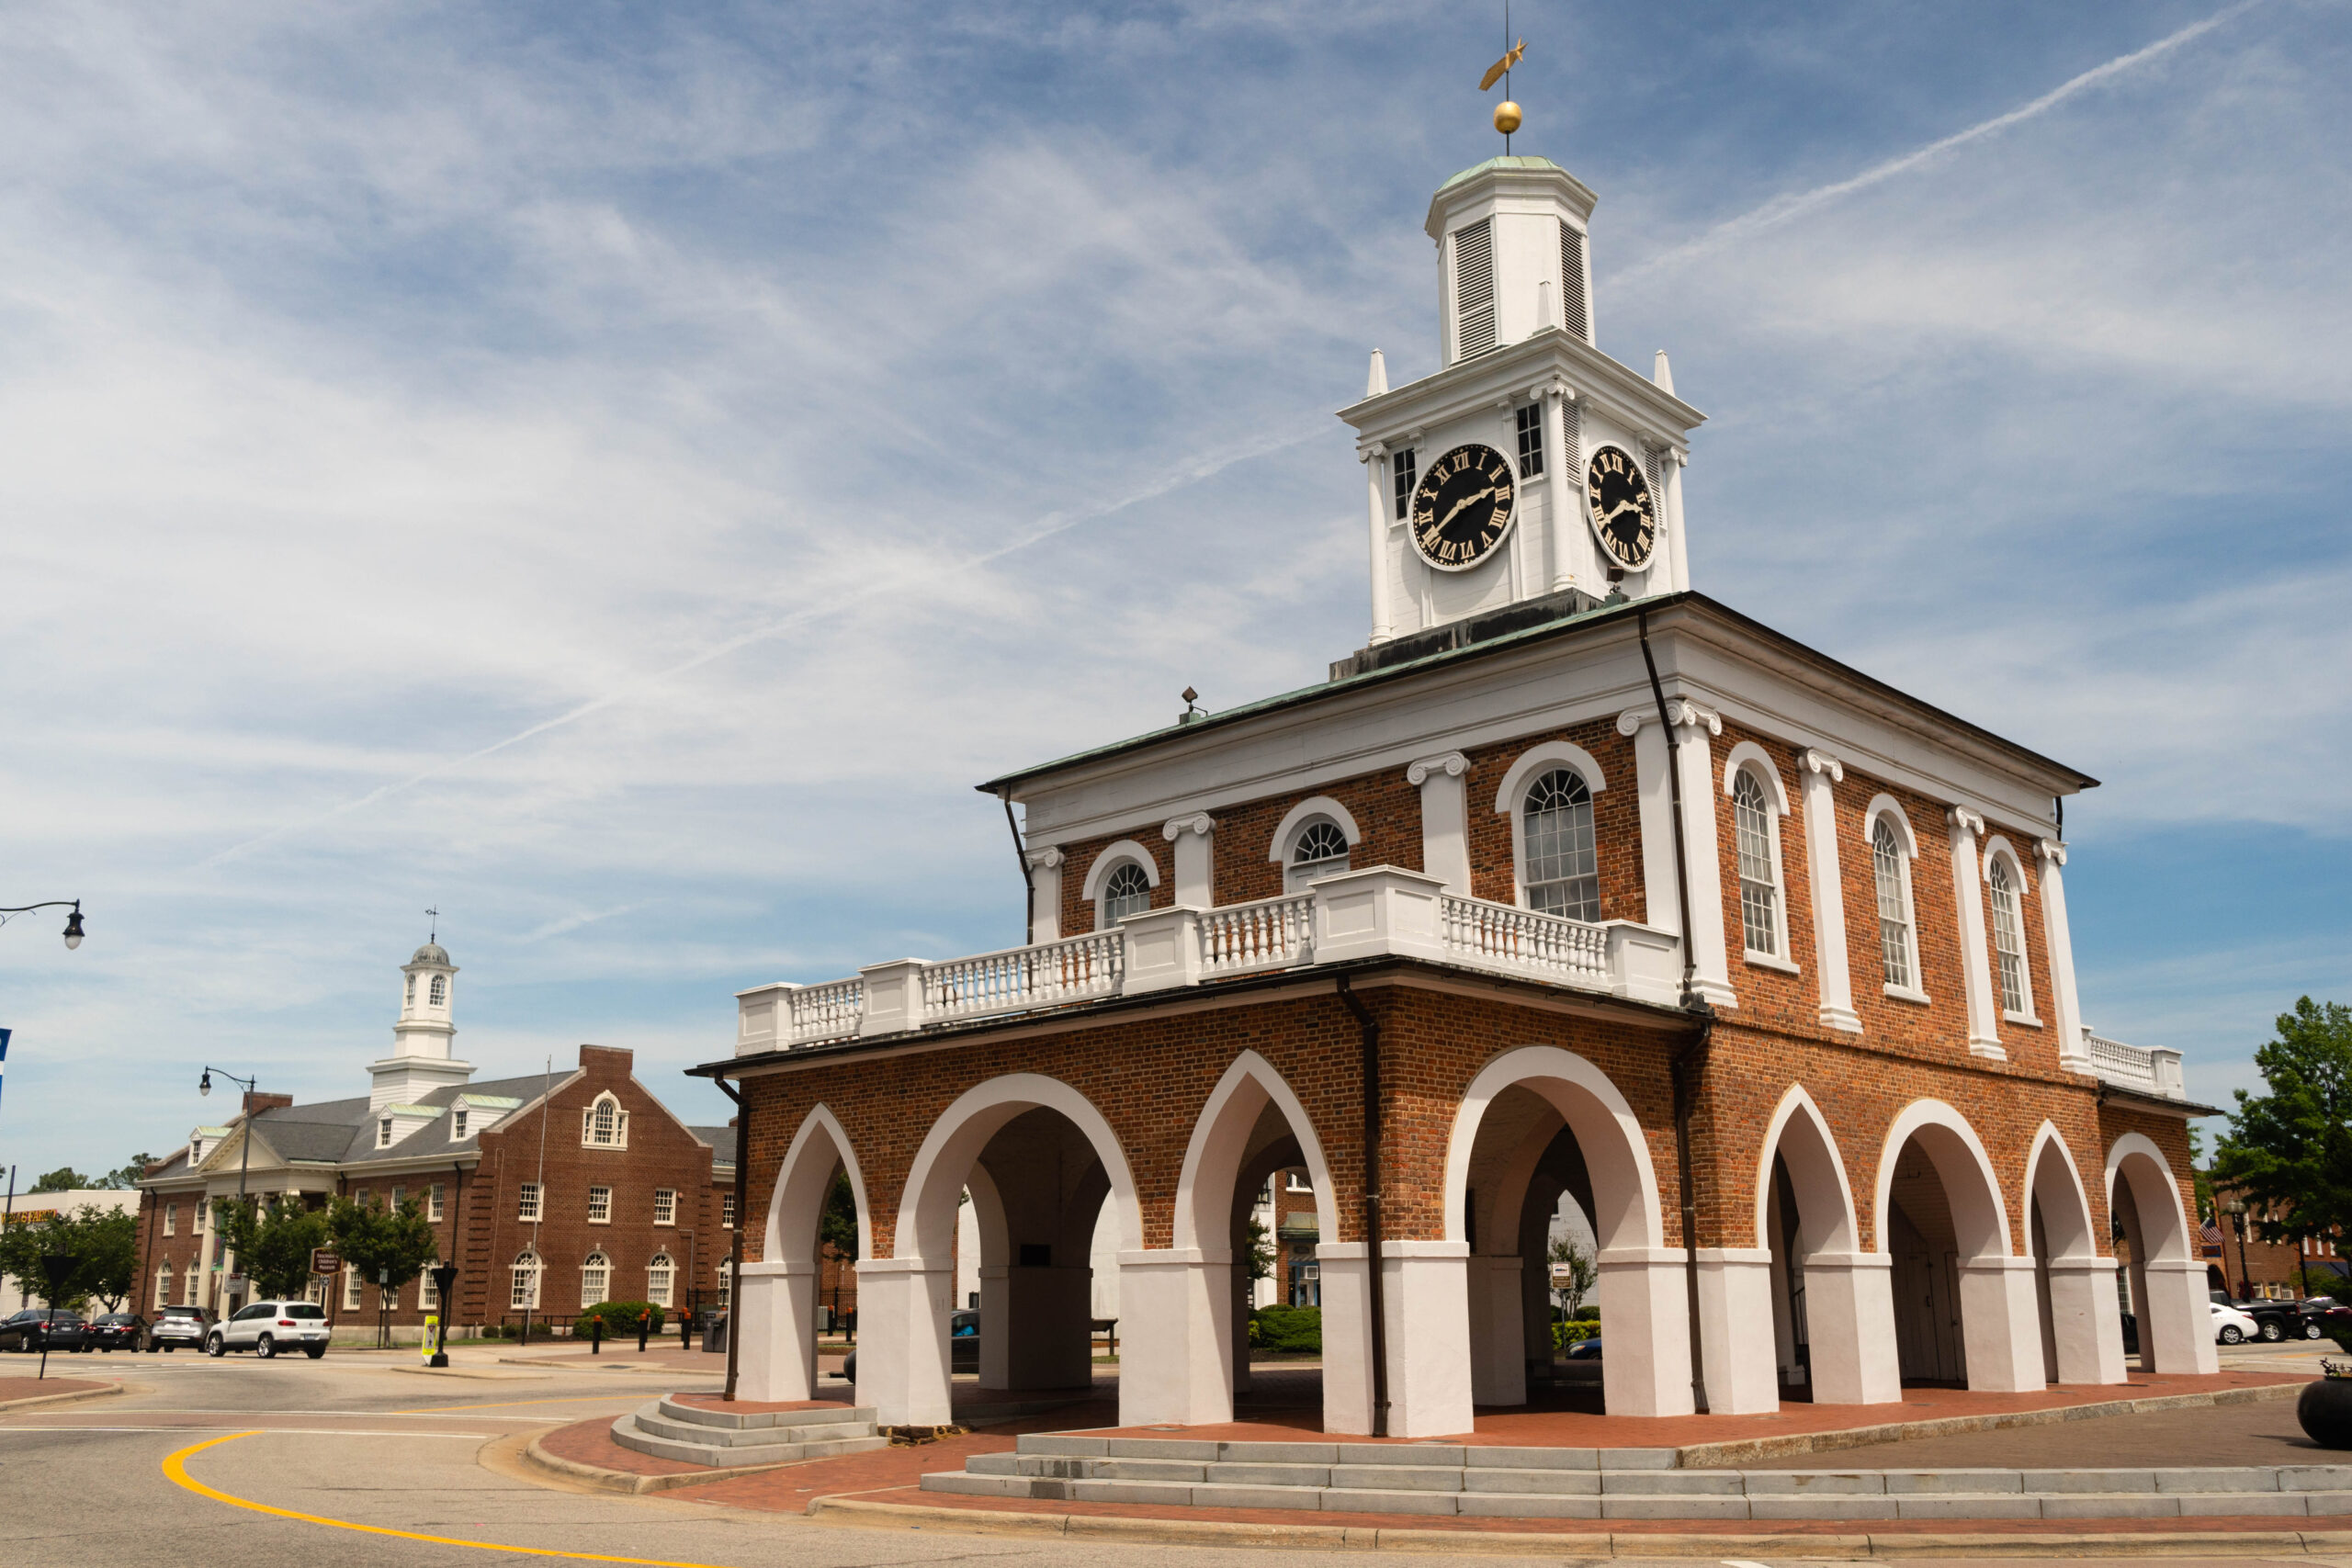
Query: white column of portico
[1819,771]
[1425,1290]
[1967,876]
[1648,1373]
[1196,842]
[1384,618]
[1695,725]
[2174,1318]
[777,1319]
[1046,895]
[1176,1336]
[1498,1343]
[1445,818]
[1347,1337]
[1849,1311]
[2084,1310]
[2073,1053]
[2000,1316]
[903,1305]
[1735,1330]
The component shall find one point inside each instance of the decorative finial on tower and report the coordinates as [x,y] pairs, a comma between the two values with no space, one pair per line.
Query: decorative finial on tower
[432,930]
[1507,115]
[1377,382]
[1662,374]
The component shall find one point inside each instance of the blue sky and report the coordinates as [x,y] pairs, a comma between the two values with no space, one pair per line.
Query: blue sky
[620,474]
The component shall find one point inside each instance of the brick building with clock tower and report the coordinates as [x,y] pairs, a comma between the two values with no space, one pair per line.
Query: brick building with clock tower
[1574,892]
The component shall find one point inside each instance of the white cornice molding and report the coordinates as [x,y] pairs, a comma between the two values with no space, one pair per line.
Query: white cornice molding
[1452,763]
[1681,712]
[1815,761]
[1961,816]
[2049,849]
[1199,822]
[1047,860]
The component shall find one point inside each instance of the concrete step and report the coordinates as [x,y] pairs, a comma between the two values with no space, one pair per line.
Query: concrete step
[646,1432]
[748,1436]
[1291,1477]
[732,1420]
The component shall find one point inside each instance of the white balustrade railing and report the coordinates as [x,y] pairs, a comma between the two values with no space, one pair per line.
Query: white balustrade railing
[1074,969]
[1525,941]
[1381,910]
[1272,934]
[2151,1069]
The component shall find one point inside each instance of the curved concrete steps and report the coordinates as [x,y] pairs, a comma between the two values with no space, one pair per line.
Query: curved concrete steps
[1613,1483]
[727,1440]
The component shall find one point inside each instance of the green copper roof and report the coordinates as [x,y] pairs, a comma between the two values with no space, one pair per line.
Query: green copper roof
[1503,163]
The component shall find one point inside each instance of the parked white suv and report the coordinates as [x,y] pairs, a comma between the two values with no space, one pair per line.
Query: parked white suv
[268,1327]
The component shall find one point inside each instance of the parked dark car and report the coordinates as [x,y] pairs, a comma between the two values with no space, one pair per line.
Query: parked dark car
[1585,1349]
[119,1331]
[37,1328]
[963,1346]
[2277,1320]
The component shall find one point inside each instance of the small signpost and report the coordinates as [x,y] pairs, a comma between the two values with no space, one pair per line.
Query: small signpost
[444,1281]
[324,1262]
[59,1268]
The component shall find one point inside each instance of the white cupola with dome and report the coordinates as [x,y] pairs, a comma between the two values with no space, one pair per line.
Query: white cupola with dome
[421,1060]
[1530,476]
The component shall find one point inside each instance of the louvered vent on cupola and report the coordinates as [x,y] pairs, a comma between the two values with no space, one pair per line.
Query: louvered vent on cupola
[1473,289]
[1572,314]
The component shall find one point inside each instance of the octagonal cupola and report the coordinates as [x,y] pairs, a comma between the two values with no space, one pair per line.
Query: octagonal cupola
[1513,255]
[422,1059]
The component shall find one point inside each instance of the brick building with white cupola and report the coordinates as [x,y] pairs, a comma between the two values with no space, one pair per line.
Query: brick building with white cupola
[1575,889]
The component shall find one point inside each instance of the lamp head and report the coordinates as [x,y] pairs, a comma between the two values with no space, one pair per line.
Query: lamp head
[204,1085]
[73,929]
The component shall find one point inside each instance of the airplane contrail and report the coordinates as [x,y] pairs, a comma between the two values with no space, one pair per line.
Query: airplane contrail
[1053,522]
[1783,209]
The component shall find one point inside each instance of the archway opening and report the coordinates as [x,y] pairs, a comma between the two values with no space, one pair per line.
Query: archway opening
[2159,1276]
[1945,1233]
[1832,1339]
[779,1317]
[1038,1188]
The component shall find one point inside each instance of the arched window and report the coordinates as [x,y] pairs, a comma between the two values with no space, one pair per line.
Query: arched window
[1127,892]
[1892,869]
[1563,869]
[411,990]
[658,1277]
[163,1285]
[595,1276]
[2008,944]
[1760,871]
[726,1278]
[1320,849]
[525,1292]
[604,1125]
[439,994]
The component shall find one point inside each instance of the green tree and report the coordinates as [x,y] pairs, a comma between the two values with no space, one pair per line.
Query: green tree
[1573,1287]
[274,1244]
[64,1178]
[2288,1151]
[837,1224]
[124,1178]
[104,1245]
[387,1246]
[1262,1253]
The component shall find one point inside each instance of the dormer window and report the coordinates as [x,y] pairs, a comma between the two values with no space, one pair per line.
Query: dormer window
[1321,851]
[439,994]
[604,1125]
[457,1123]
[384,1132]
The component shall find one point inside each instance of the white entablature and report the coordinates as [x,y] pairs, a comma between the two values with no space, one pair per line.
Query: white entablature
[1521,376]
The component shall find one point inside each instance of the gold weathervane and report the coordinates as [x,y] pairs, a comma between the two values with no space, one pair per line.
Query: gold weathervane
[1507,115]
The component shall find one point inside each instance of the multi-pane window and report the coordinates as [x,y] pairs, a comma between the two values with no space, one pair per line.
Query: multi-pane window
[397,1193]
[595,1276]
[657,1276]
[195,1278]
[1531,441]
[1401,465]
[352,1285]
[171,1219]
[1759,890]
[600,1205]
[665,1207]
[428,1293]
[440,992]
[410,997]
[384,1132]
[196,1219]
[524,1293]
[433,1202]
[726,1210]
[1127,891]
[726,1278]
[1888,867]
[163,1286]
[1562,867]
[526,1202]
[1321,851]
[2008,944]
[457,1123]
[605,1124]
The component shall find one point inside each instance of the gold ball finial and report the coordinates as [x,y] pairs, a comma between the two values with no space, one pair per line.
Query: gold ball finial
[1506,117]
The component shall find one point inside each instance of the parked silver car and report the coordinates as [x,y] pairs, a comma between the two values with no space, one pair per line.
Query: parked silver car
[268,1327]
[177,1325]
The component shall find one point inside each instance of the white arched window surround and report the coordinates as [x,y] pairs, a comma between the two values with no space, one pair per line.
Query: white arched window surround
[1528,766]
[596,1279]
[1887,806]
[1304,815]
[605,1124]
[1126,851]
[1998,849]
[1749,758]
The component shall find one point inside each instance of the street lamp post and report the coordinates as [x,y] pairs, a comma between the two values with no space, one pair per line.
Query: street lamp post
[2236,1207]
[245,1144]
[73,921]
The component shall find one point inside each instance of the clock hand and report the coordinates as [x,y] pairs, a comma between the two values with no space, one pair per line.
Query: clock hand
[1465,501]
[1620,507]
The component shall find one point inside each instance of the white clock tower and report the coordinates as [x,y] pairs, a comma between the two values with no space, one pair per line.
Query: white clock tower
[1519,377]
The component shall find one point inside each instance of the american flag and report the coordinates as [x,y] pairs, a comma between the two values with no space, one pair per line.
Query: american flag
[2212,1234]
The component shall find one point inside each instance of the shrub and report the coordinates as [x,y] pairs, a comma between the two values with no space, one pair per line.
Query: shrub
[619,1319]
[1288,1328]
[1588,1313]
[1574,1331]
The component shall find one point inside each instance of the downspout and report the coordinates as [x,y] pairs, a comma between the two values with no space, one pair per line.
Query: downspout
[1028,882]
[742,1224]
[1691,1059]
[1368,1031]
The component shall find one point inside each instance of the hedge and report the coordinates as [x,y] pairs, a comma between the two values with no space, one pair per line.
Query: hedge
[619,1319]
[1573,1332]
[1288,1328]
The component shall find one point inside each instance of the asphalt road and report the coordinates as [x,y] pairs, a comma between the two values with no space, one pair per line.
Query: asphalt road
[379,1460]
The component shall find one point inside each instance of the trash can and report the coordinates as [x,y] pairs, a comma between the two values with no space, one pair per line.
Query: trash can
[714,1331]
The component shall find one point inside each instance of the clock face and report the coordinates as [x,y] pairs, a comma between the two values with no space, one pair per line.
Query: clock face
[1463,507]
[1622,512]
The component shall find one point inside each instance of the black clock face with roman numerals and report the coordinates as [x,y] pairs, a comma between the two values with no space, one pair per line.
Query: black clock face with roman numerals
[1621,512]
[1463,507]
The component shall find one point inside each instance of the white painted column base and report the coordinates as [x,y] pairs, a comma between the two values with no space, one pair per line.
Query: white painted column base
[2085,1319]
[2000,1322]
[1499,1348]
[1176,1338]
[1425,1287]
[776,1357]
[2175,1321]
[1735,1330]
[1646,1319]
[1346,1338]
[1849,1314]
[902,1366]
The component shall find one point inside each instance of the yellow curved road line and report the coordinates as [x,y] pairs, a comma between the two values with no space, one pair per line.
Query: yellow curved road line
[176,1468]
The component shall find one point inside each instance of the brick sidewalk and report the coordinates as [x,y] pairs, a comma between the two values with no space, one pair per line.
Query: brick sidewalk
[13,1389]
